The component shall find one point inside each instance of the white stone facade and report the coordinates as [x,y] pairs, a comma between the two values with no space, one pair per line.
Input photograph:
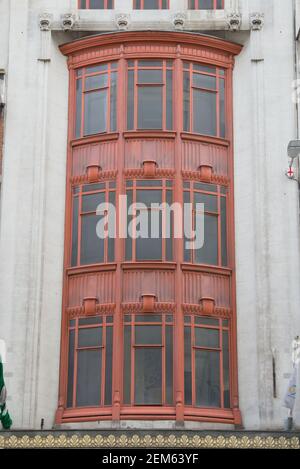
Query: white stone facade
[33,193]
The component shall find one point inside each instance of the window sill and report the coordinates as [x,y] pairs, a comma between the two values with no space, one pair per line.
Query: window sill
[91,268]
[205,139]
[95,138]
[132,134]
[148,265]
[189,267]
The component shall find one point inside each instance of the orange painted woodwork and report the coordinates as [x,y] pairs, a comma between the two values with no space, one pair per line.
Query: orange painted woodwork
[177,293]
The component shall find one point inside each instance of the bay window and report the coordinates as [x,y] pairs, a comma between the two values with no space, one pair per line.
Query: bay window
[90,356]
[206,361]
[96,99]
[148,359]
[150,95]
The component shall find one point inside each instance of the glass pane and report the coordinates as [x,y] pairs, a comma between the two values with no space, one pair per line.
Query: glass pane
[95,112]
[206,337]
[210,202]
[110,4]
[96,81]
[150,63]
[71,369]
[148,376]
[78,107]
[204,112]
[93,187]
[220,4]
[96,4]
[206,4]
[151,4]
[91,202]
[75,232]
[128,240]
[91,337]
[192,5]
[170,221]
[186,101]
[150,76]
[148,197]
[89,378]
[148,318]
[149,183]
[148,249]
[205,187]
[169,364]
[224,231]
[130,100]
[92,247]
[108,366]
[169,104]
[207,378]
[97,68]
[82,4]
[226,379]
[187,366]
[208,254]
[222,108]
[207,321]
[90,321]
[113,102]
[204,81]
[150,107]
[111,240]
[204,68]
[148,335]
[127,364]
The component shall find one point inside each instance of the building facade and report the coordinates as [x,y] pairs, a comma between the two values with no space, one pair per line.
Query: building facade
[163,102]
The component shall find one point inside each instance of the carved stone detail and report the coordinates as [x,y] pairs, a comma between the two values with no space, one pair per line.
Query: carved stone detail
[234,21]
[257,21]
[45,21]
[179,20]
[122,21]
[68,21]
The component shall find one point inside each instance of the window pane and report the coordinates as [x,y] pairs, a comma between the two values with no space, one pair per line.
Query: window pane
[169,364]
[90,321]
[113,102]
[150,63]
[204,68]
[75,232]
[186,101]
[148,335]
[108,366]
[206,4]
[148,197]
[148,376]
[71,369]
[95,112]
[97,68]
[111,240]
[130,100]
[207,378]
[224,231]
[148,249]
[89,377]
[78,107]
[207,321]
[169,92]
[96,81]
[91,337]
[148,318]
[92,247]
[151,4]
[150,107]
[226,379]
[206,337]
[192,5]
[208,254]
[96,4]
[91,202]
[127,364]
[204,81]
[204,112]
[187,366]
[210,201]
[150,76]
[222,108]
[128,240]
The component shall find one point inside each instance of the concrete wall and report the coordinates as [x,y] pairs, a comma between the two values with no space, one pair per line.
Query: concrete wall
[33,196]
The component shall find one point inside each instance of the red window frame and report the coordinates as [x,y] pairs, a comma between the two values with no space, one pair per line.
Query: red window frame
[139,5]
[133,98]
[130,321]
[223,327]
[79,192]
[221,194]
[104,322]
[196,5]
[166,188]
[87,73]
[219,76]
[85,5]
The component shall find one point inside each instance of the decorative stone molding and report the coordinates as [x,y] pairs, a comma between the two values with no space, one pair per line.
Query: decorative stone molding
[89,305]
[45,21]
[122,21]
[149,167]
[93,172]
[206,172]
[148,300]
[234,21]
[68,21]
[179,20]
[257,21]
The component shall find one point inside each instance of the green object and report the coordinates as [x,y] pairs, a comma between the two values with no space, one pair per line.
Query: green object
[5,419]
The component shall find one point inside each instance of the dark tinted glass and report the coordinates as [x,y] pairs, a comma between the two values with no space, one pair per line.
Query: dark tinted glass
[150,107]
[92,247]
[91,202]
[95,112]
[75,232]
[208,254]
[150,76]
[169,93]
[148,376]
[78,107]
[204,112]
[91,337]
[90,321]
[187,366]
[71,369]
[108,366]
[97,4]
[204,81]
[148,335]
[130,100]
[186,101]
[206,337]
[222,108]
[206,4]
[210,202]
[226,370]
[169,364]
[224,231]
[127,364]
[96,81]
[89,377]
[207,378]
[113,102]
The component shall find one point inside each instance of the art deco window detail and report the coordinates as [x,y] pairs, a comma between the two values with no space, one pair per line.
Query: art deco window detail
[150,4]
[206,4]
[204,99]
[140,246]
[90,361]
[87,246]
[213,197]
[96,99]
[148,359]
[96,4]
[150,95]
[206,362]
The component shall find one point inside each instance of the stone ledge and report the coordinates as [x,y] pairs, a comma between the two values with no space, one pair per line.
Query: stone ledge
[150,439]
